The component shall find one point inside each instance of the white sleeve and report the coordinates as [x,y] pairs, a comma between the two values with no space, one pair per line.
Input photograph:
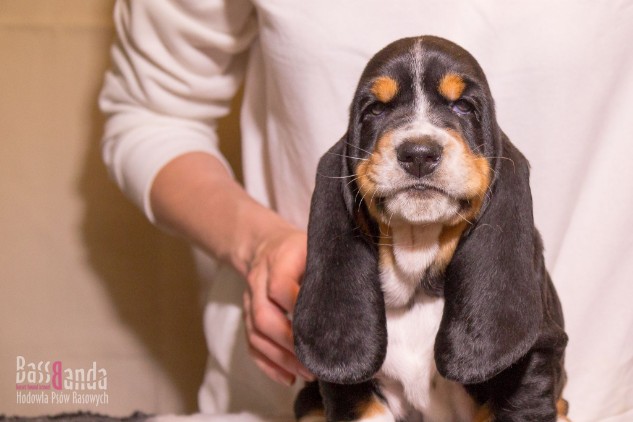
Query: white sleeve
[175,66]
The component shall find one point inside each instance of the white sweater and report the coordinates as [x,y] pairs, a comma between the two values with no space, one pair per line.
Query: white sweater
[561,74]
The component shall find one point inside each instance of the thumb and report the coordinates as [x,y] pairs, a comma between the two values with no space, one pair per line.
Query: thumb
[286,271]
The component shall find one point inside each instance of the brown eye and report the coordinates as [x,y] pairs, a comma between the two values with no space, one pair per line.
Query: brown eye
[462,107]
[377,109]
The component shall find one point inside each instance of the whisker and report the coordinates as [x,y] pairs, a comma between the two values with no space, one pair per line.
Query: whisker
[382,233]
[360,187]
[358,229]
[335,177]
[505,158]
[392,244]
[372,197]
[489,189]
[359,148]
[348,156]
[365,194]
[386,244]
[479,147]
[391,218]
[464,218]
[353,180]
[488,194]
[362,200]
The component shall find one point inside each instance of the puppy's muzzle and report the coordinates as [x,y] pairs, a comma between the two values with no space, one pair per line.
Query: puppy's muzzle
[419,157]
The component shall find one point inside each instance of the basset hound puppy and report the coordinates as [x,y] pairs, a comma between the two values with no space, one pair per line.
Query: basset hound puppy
[425,296]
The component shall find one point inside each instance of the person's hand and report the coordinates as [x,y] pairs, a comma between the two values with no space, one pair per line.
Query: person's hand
[195,196]
[273,285]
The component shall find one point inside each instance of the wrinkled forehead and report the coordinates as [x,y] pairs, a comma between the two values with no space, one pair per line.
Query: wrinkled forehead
[427,64]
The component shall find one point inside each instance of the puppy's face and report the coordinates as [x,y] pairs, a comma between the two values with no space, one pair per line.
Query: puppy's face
[422,108]
[422,147]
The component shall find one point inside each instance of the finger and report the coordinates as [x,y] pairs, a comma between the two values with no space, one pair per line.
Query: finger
[283,290]
[271,370]
[272,357]
[286,271]
[276,361]
[267,318]
[278,349]
[256,276]
[270,321]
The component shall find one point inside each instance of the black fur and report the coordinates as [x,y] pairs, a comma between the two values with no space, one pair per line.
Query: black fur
[501,333]
[489,324]
[340,286]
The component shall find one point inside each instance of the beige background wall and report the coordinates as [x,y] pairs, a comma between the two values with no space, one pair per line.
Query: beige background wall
[83,276]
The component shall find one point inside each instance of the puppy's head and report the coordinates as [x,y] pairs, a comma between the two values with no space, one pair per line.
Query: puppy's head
[421,128]
[422,147]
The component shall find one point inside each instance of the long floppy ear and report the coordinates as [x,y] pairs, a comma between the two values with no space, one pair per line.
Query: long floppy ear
[339,320]
[493,308]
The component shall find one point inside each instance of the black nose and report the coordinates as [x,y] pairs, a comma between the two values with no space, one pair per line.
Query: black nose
[419,158]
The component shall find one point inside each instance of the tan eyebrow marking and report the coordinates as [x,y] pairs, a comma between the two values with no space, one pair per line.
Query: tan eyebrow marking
[384,88]
[452,86]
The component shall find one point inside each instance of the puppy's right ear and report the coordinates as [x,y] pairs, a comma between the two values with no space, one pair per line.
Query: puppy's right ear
[339,320]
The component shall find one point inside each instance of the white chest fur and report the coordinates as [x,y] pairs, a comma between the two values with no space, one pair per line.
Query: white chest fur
[408,377]
[404,263]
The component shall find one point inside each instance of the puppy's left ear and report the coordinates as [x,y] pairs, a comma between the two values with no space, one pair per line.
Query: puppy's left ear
[493,308]
[339,320]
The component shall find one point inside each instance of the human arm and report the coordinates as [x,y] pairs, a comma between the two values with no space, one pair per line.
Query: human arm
[195,196]
[175,67]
